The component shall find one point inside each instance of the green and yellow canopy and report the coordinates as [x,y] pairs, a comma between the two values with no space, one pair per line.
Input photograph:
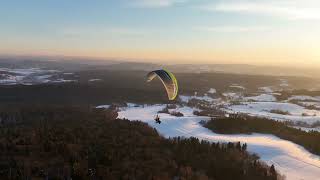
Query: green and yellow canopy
[169,81]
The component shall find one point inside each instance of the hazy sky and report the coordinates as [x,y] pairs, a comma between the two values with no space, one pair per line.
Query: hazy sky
[276,32]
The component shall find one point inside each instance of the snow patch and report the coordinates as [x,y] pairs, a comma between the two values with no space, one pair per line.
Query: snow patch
[63,81]
[237,86]
[315,104]
[68,73]
[261,98]
[212,91]
[232,95]
[103,106]
[94,80]
[266,89]
[206,98]
[284,83]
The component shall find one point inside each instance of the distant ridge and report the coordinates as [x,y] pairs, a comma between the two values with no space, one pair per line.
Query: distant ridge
[84,63]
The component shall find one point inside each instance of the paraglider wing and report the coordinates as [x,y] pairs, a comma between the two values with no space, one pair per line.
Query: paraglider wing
[169,81]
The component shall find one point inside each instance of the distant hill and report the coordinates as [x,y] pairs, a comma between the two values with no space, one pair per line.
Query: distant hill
[246,69]
[77,63]
[56,63]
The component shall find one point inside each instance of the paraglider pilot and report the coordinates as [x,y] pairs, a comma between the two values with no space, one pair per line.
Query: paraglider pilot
[157,119]
[170,83]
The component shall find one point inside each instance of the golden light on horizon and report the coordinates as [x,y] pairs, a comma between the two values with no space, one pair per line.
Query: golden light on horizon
[259,33]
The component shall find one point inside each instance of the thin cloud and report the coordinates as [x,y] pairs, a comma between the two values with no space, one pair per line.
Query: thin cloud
[293,10]
[75,32]
[232,29]
[154,3]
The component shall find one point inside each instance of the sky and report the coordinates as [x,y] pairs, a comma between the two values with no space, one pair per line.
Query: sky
[260,32]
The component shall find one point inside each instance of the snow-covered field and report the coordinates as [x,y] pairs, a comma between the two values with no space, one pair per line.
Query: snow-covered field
[32,76]
[262,109]
[284,83]
[290,159]
[236,86]
[25,71]
[305,98]
[212,91]
[264,103]
[308,103]
[232,95]
[261,98]
[266,89]
[201,98]
[94,80]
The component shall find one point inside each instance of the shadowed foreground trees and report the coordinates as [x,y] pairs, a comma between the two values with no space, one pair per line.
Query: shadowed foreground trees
[80,143]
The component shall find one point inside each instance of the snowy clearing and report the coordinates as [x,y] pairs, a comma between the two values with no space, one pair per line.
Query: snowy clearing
[261,98]
[63,81]
[32,76]
[312,103]
[232,95]
[94,80]
[304,98]
[262,109]
[206,98]
[284,83]
[289,159]
[266,89]
[307,129]
[212,91]
[103,106]
[26,72]
[236,86]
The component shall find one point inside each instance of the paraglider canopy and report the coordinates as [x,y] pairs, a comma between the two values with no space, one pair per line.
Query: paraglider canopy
[169,81]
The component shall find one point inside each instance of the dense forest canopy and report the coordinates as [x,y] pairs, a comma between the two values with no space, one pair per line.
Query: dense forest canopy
[84,143]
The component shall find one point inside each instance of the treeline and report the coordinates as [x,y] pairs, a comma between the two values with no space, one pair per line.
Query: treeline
[173,112]
[236,124]
[82,143]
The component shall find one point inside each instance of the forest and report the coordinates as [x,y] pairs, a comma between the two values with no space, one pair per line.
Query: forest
[64,142]
[240,123]
[128,86]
